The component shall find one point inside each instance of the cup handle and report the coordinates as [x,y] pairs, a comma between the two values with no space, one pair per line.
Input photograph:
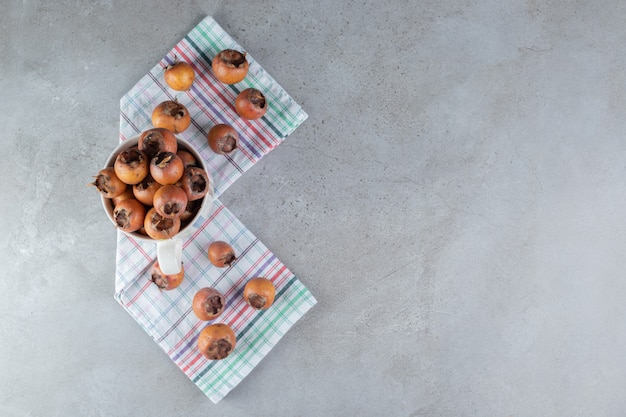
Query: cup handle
[169,255]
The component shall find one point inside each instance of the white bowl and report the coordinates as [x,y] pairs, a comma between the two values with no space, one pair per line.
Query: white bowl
[169,251]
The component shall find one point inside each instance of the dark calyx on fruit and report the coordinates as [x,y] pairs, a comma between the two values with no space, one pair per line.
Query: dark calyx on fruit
[227,143]
[175,109]
[213,304]
[132,156]
[257,98]
[152,143]
[103,183]
[172,208]
[159,280]
[219,349]
[257,301]
[161,223]
[122,219]
[193,206]
[228,258]
[146,183]
[198,183]
[232,57]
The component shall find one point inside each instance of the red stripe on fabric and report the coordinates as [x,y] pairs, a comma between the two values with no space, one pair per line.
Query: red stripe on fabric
[238,311]
[193,331]
[197,356]
[254,126]
[140,292]
[189,334]
[192,58]
[139,248]
[279,277]
[255,265]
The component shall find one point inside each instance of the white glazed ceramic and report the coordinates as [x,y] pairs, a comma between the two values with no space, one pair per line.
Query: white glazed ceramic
[169,251]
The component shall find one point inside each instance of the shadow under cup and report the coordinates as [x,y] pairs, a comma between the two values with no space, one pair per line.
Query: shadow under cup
[169,251]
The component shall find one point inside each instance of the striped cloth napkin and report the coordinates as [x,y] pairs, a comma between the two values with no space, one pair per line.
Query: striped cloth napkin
[166,315]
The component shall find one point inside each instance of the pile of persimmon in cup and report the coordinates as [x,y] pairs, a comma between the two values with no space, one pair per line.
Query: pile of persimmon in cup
[155,187]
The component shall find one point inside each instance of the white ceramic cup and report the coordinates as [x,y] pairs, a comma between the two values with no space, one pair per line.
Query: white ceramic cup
[169,251]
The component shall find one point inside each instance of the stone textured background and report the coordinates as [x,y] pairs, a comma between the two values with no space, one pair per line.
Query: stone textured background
[455,202]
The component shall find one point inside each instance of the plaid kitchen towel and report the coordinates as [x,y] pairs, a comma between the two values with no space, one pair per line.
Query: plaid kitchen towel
[167,315]
[210,102]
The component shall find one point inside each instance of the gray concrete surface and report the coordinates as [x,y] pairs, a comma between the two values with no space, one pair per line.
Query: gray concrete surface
[455,201]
